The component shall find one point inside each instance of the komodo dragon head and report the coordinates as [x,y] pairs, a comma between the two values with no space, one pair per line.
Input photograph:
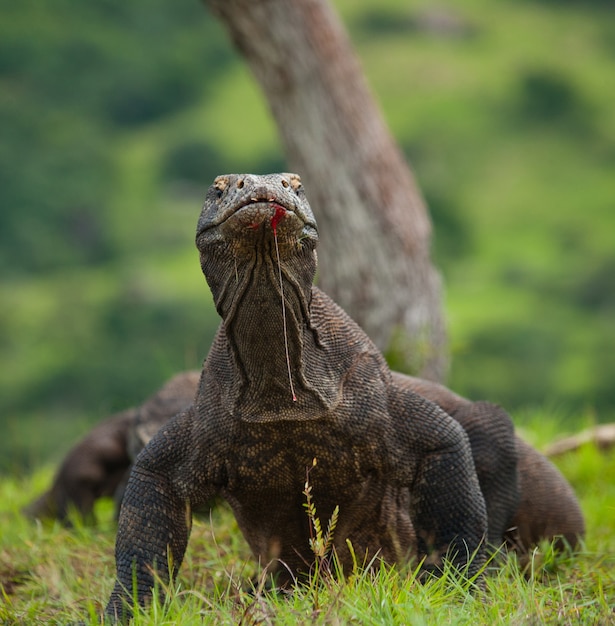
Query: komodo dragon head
[236,232]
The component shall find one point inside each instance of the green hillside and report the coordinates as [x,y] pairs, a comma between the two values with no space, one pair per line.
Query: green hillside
[116,116]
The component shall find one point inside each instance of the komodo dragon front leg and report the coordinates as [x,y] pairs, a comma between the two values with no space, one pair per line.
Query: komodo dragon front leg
[156,519]
[449,512]
[528,500]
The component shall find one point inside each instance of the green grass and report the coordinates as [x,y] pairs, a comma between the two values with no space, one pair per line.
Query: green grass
[49,574]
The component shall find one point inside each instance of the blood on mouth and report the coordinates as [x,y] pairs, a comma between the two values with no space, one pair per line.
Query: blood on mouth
[277,217]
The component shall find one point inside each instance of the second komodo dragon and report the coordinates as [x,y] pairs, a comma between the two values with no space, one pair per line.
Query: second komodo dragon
[291,380]
[99,464]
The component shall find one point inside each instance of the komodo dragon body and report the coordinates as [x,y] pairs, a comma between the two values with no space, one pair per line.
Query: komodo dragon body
[99,464]
[93,468]
[546,507]
[292,383]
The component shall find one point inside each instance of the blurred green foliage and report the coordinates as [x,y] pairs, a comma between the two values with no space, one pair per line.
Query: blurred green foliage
[115,117]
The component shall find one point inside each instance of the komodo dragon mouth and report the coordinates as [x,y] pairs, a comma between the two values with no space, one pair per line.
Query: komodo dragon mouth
[258,212]
[237,204]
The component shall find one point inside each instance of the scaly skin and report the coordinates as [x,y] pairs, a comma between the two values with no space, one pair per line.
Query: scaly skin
[99,464]
[533,504]
[95,467]
[399,468]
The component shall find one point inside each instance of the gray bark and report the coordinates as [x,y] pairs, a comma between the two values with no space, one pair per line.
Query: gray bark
[375,230]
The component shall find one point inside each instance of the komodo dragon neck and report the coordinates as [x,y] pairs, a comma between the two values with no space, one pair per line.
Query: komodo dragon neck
[267,340]
[263,294]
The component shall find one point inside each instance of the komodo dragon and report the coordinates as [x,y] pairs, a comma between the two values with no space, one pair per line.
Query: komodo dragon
[290,379]
[99,464]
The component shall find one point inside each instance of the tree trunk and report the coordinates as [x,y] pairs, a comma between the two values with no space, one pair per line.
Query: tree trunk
[374,227]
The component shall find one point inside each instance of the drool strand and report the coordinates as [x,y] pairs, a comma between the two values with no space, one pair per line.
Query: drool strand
[274,222]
